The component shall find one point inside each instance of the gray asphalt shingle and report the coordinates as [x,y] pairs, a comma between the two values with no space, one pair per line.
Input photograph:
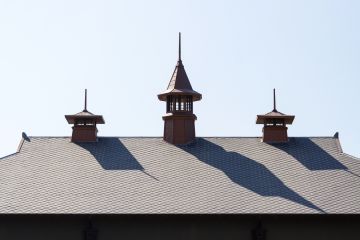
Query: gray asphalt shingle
[140,175]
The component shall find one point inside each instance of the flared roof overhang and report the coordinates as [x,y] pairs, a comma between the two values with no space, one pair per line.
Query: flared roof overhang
[180,92]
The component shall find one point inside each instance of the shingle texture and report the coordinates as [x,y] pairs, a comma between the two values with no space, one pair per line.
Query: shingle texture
[149,176]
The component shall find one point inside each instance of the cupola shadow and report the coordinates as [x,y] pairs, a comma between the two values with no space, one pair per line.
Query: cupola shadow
[310,155]
[111,154]
[245,172]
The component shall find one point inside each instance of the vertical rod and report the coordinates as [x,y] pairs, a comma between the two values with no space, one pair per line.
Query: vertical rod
[274,101]
[85,109]
[179,46]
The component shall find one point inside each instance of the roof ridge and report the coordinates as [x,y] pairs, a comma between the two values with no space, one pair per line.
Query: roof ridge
[196,137]
[350,156]
[9,155]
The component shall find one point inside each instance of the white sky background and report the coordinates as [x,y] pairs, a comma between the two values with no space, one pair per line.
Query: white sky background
[235,53]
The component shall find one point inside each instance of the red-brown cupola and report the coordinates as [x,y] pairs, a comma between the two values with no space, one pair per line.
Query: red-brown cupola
[179,121]
[275,130]
[84,129]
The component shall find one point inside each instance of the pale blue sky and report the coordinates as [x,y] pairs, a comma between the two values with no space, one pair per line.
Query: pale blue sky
[235,53]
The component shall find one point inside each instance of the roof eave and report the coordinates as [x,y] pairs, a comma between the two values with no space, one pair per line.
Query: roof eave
[98,118]
[260,119]
[180,92]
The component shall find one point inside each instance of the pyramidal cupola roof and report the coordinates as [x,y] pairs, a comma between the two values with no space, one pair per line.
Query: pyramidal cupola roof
[179,83]
[85,115]
[275,114]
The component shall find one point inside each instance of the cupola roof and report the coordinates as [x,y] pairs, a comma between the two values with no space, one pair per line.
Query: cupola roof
[85,115]
[275,115]
[179,83]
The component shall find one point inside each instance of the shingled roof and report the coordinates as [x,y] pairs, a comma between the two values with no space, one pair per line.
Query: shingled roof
[139,175]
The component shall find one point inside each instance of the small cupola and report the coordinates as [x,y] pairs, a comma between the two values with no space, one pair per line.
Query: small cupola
[179,120]
[84,129]
[275,130]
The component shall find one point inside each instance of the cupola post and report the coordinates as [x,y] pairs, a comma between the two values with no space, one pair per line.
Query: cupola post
[84,129]
[275,130]
[179,120]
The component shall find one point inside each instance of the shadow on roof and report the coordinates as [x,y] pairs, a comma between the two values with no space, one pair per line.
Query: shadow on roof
[112,154]
[309,154]
[245,172]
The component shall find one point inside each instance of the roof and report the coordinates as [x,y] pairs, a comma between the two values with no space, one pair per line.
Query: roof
[274,114]
[139,175]
[179,84]
[85,115]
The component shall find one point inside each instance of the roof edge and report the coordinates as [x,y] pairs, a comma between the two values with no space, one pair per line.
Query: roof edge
[299,214]
[214,136]
[21,143]
[338,144]
[337,140]
[23,138]
[351,156]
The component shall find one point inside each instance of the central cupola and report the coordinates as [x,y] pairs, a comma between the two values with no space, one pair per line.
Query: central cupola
[179,120]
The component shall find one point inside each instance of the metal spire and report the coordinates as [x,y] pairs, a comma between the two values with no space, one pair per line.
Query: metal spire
[274,101]
[179,46]
[85,108]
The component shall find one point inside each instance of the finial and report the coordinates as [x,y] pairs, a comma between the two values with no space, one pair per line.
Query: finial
[179,46]
[274,101]
[85,108]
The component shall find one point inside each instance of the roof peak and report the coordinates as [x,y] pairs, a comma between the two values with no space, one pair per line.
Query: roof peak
[179,46]
[85,115]
[274,95]
[85,104]
[179,83]
[274,112]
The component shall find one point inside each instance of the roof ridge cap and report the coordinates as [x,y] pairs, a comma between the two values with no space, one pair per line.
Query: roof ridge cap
[350,156]
[214,136]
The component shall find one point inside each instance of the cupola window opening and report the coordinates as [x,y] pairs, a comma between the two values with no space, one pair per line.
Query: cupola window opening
[85,122]
[179,104]
[275,122]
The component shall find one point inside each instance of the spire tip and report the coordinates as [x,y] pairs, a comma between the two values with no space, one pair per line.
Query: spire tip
[85,107]
[179,46]
[274,93]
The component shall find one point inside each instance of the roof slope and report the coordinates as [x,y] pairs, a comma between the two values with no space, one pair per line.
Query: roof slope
[148,175]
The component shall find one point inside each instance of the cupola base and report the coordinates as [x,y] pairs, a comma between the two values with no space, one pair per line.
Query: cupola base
[275,134]
[84,133]
[179,128]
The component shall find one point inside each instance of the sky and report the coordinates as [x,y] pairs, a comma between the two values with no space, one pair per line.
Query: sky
[234,52]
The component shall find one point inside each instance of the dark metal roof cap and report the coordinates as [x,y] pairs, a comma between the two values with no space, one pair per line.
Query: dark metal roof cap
[179,83]
[274,114]
[85,115]
[288,119]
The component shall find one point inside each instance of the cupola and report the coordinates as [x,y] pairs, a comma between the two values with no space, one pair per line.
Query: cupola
[179,120]
[274,130]
[84,129]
